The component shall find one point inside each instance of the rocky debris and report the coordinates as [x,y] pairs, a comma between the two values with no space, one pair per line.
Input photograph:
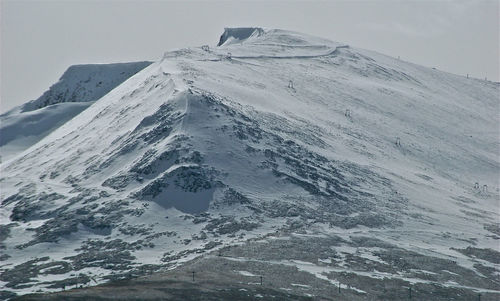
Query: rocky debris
[199,218]
[370,220]
[32,207]
[119,182]
[201,236]
[229,225]
[336,186]
[232,197]
[493,228]
[171,257]
[150,160]
[133,272]
[160,124]
[277,208]
[22,274]
[135,230]
[406,262]
[150,165]
[5,233]
[6,295]
[211,244]
[192,179]
[69,282]
[281,262]
[115,254]
[27,191]
[489,255]
[187,178]
[310,249]
[64,221]
[72,180]
[4,257]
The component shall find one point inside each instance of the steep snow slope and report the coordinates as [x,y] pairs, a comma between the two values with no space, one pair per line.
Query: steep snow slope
[235,35]
[77,88]
[289,132]
[83,83]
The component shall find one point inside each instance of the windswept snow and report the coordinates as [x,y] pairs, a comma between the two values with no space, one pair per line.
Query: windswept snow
[235,35]
[83,83]
[202,150]
[75,91]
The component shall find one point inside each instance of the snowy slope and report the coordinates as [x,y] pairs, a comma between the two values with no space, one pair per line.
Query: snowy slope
[77,88]
[272,130]
[83,83]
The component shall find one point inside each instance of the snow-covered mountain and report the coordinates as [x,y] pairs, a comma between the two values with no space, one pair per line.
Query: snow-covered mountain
[271,134]
[77,89]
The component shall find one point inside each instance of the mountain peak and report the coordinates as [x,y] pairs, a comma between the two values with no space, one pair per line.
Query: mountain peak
[85,83]
[239,34]
[279,137]
[76,90]
[274,43]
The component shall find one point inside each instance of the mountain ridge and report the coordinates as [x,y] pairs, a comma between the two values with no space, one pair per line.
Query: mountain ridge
[290,133]
[77,89]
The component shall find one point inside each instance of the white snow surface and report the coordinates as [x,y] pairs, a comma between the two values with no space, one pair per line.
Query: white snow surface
[77,89]
[199,132]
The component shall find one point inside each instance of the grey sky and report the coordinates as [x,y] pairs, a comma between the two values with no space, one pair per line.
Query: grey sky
[40,39]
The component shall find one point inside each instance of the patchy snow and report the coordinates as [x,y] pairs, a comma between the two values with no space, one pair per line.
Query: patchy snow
[201,150]
[246,273]
[300,285]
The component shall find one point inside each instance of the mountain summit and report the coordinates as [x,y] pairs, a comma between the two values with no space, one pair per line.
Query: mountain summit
[239,34]
[274,136]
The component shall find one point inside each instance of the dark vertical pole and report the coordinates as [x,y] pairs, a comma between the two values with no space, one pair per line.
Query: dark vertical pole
[260,280]
[409,291]
[339,287]
[193,275]
[479,297]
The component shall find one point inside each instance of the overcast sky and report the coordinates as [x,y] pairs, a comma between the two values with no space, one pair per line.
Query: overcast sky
[40,39]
